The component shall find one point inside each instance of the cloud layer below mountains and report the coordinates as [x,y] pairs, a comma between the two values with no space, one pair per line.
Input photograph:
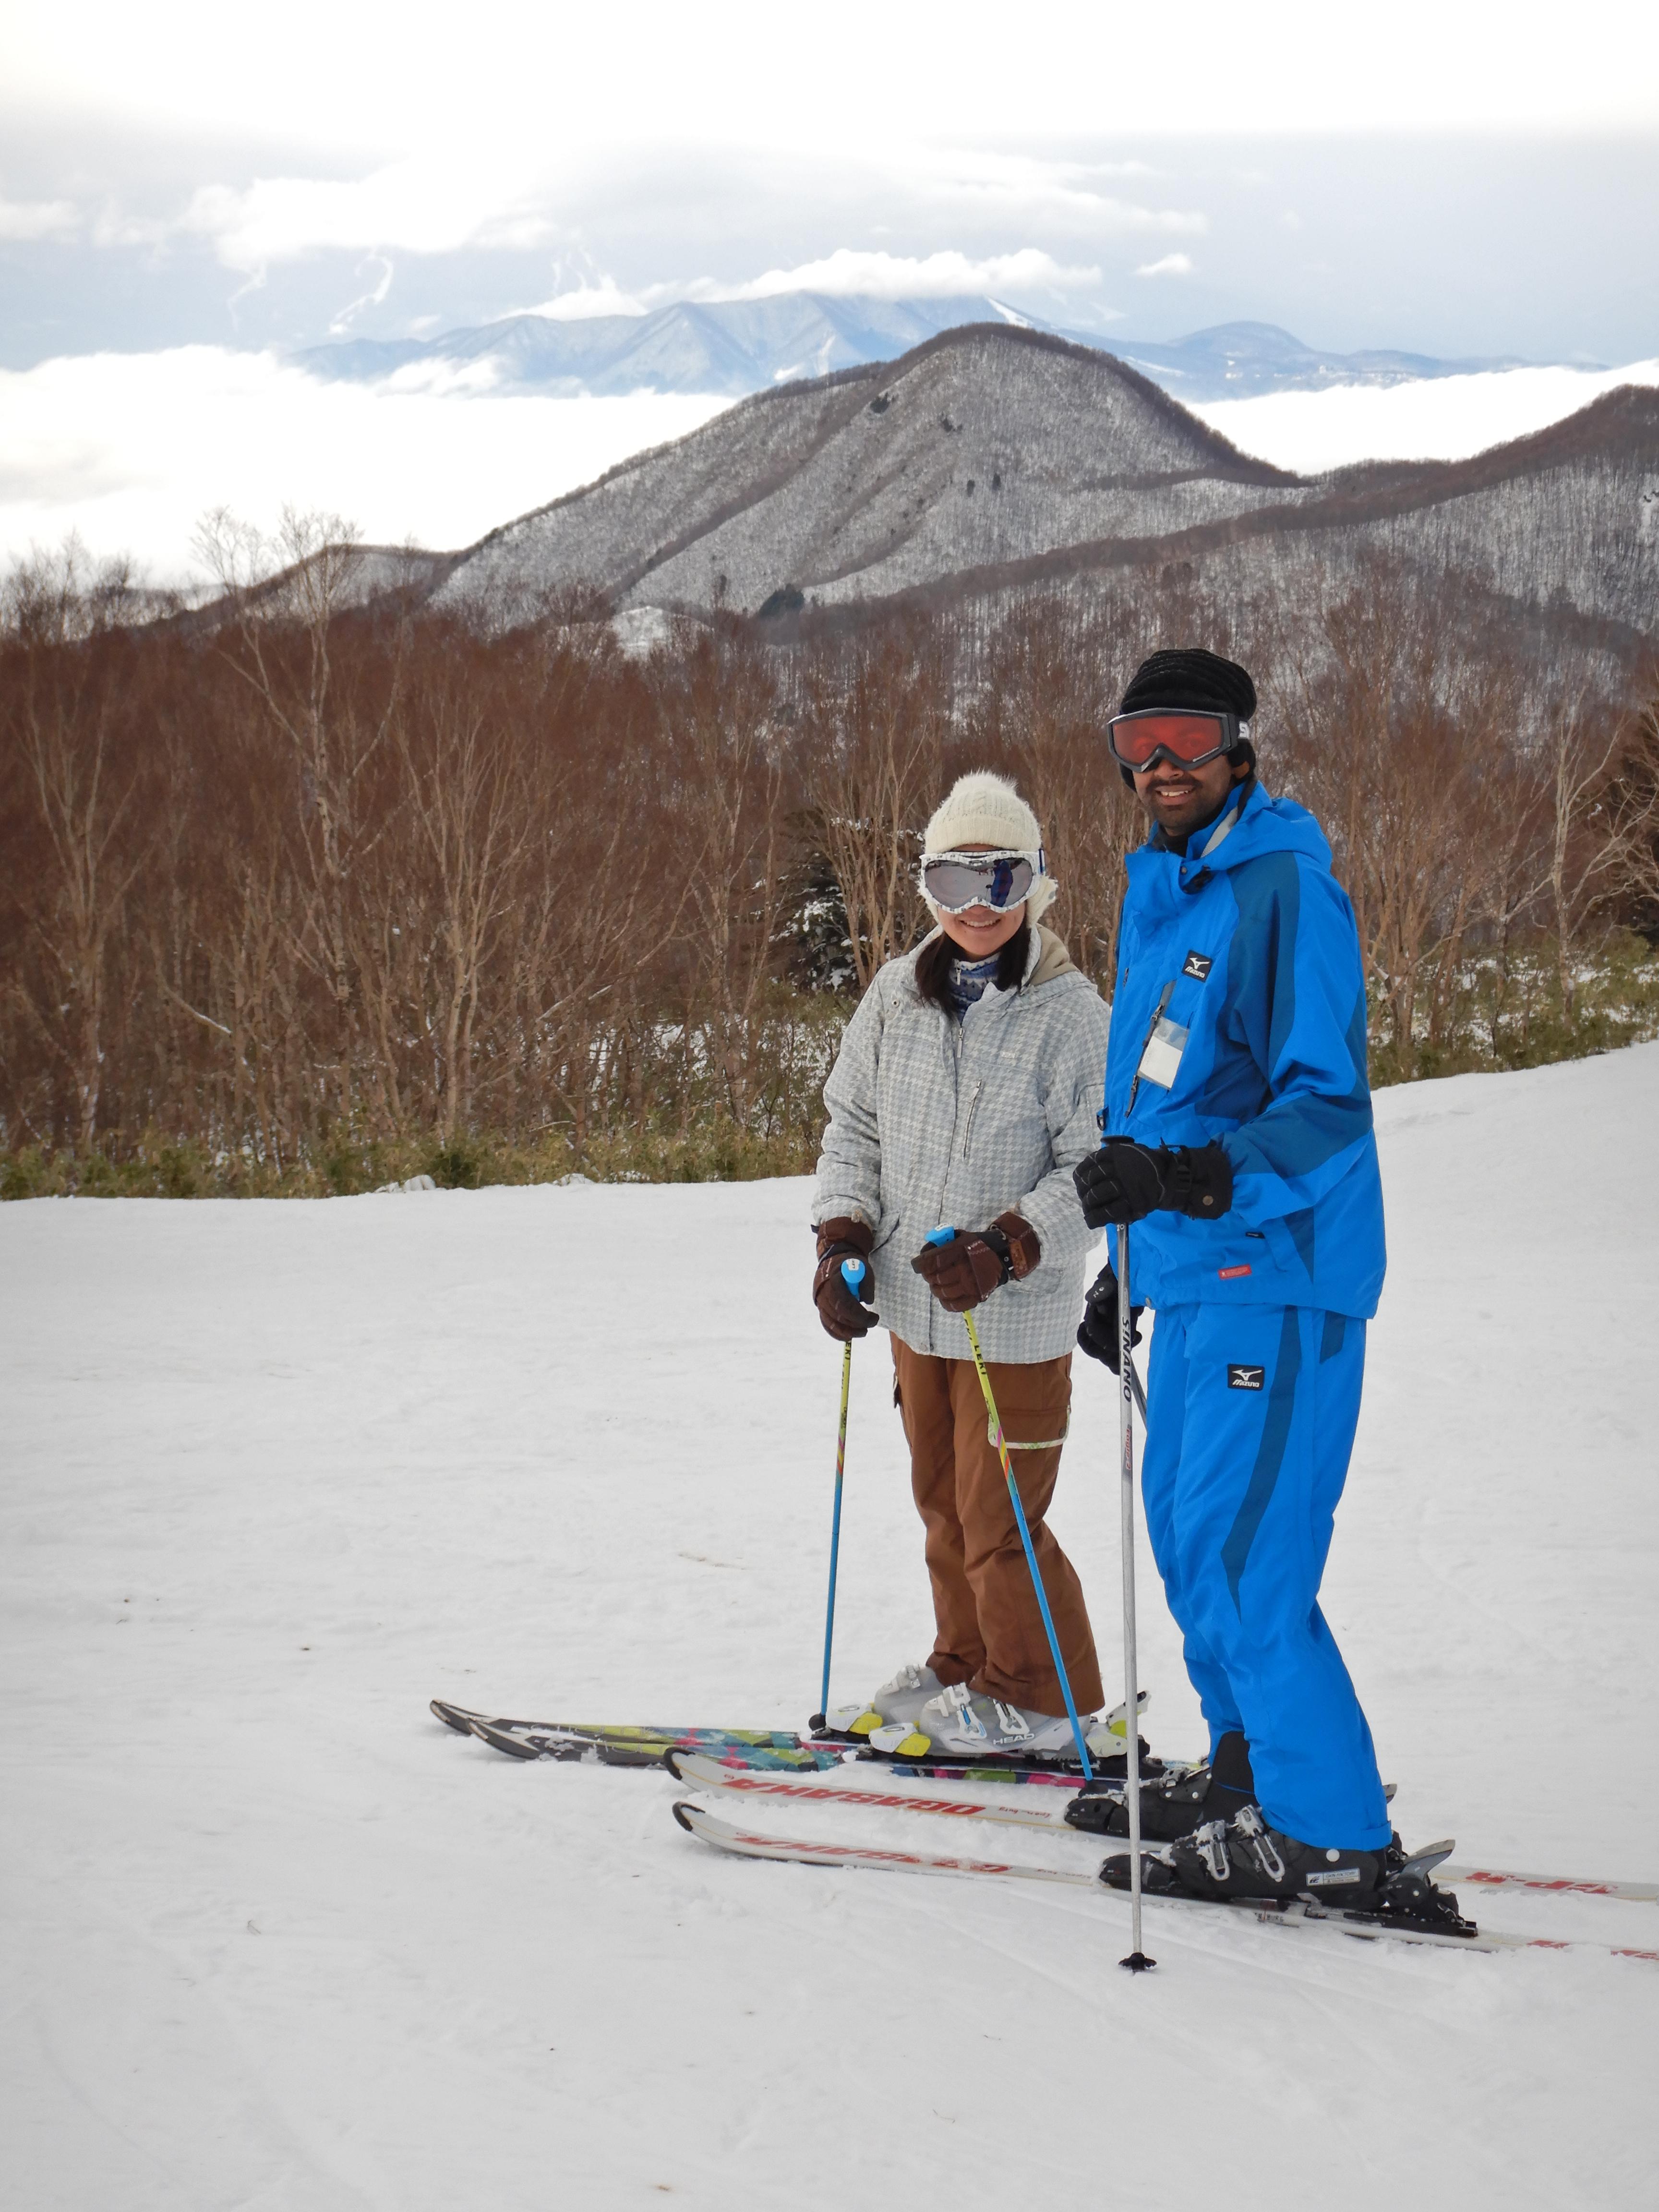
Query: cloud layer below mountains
[1445,419]
[129,451]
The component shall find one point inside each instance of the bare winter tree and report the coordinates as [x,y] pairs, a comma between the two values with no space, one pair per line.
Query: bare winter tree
[70,703]
[282,601]
[1390,751]
[734,793]
[1054,674]
[1596,836]
[875,727]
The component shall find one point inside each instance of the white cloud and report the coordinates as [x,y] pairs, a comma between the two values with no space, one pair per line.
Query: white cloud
[1034,190]
[850,270]
[1439,418]
[585,300]
[414,206]
[447,201]
[658,71]
[1172,265]
[131,449]
[22,220]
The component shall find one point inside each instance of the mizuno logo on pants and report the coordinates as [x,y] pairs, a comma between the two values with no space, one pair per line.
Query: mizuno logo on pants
[1246,1378]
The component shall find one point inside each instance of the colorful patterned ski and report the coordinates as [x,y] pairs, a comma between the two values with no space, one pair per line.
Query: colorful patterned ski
[636,1745]
[644,1746]
[802,1851]
[462,1717]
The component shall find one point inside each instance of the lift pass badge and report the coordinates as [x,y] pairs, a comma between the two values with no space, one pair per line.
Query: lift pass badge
[1160,1062]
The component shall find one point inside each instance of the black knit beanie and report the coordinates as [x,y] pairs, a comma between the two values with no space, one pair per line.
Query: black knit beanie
[1189,677]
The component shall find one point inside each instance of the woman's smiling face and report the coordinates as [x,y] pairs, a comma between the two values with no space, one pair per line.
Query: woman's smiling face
[979,930]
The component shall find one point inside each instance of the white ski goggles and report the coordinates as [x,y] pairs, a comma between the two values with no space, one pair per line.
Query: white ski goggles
[956,881]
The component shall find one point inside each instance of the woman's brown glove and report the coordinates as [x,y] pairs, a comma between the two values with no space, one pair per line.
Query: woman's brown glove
[843,1316]
[975,1263]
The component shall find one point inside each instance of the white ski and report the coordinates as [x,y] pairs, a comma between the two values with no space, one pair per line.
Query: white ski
[806,1852]
[1637,1892]
[897,1794]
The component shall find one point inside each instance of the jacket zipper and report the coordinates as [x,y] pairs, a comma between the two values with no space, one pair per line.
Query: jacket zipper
[973,1107]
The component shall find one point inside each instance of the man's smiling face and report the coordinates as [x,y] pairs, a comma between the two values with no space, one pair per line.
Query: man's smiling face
[1183,799]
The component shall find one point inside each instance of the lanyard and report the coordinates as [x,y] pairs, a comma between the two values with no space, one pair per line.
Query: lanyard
[1158,1011]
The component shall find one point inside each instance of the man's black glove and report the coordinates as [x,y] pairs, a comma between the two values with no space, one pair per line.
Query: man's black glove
[1098,1331]
[1124,1182]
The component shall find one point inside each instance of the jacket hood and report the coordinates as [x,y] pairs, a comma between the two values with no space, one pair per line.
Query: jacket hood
[1052,959]
[1258,825]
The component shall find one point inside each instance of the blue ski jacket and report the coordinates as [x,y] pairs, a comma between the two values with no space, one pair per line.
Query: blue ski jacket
[1246,944]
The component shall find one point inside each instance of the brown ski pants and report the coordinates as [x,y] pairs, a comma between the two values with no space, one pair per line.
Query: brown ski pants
[989,1628]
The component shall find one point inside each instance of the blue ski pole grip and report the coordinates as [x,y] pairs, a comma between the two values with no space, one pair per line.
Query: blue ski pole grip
[940,1236]
[853,1274]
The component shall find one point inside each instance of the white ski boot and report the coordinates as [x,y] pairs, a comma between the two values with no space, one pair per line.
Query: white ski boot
[964,1723]
[896,1703]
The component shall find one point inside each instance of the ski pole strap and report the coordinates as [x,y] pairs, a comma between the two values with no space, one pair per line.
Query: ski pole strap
[1046,1443]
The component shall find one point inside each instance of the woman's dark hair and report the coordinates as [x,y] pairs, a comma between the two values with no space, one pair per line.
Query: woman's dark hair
[934,966]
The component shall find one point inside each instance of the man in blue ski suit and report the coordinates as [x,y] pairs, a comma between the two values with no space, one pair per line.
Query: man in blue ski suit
[1237,1140]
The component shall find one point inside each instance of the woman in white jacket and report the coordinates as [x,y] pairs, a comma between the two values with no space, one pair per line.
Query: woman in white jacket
[963,1095]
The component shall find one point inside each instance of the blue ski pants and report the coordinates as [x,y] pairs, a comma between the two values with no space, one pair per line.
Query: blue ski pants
[1251,1413]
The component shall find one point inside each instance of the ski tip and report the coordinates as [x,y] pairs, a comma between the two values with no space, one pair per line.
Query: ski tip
[670,1760]
[817,1722]
[1137,1963]
[683,1814]
[500,1739]
[452,1716]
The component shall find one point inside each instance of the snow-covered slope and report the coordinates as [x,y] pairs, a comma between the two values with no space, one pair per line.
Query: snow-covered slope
[738,346]
[733,346]
[982,446]
[990,458]
[276,1474]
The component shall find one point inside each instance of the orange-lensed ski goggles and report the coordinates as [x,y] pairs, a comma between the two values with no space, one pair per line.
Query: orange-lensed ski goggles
[1186,738]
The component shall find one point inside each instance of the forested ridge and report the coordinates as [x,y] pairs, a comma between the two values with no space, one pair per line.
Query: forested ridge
[305,895]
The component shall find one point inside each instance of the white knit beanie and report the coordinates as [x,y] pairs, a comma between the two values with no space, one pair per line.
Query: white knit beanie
[986,810]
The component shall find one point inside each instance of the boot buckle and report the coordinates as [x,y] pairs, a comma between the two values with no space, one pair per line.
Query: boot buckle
[1211,1841]
[1256,1832]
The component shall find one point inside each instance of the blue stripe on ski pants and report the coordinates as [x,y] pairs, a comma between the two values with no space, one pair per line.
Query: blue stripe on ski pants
[1241,1486]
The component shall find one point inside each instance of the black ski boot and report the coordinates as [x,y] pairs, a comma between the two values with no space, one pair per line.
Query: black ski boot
[1173,1804]
[1244,1859]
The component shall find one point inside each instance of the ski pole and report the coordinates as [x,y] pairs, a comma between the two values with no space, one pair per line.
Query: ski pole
[852,1274]
[945,1236]
[1137,1962]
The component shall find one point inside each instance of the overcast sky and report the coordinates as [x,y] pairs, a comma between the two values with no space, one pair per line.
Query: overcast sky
[1454,177]
[1457,179]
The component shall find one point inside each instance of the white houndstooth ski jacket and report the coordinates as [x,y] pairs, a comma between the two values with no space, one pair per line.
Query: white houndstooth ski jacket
[935,1122]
